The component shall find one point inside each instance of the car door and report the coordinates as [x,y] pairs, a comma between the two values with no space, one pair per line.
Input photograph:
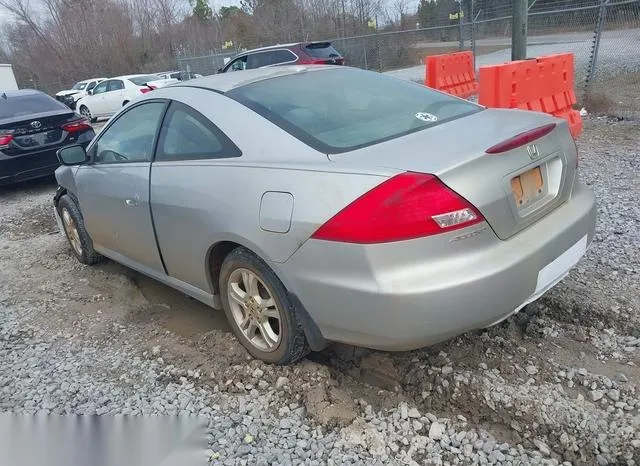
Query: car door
[114,97]
[94,101]
[113,188]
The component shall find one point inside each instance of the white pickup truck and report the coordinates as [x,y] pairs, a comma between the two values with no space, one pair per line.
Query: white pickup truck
[79,90]
[7,78]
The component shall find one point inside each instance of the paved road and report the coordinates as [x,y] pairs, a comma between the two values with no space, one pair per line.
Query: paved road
[618,53]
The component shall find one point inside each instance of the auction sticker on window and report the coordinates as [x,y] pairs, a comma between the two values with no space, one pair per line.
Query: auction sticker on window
[428,117]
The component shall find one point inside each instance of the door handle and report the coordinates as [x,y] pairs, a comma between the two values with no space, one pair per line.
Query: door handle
[131,202]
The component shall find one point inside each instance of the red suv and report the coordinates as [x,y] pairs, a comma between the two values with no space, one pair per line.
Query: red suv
[302,53]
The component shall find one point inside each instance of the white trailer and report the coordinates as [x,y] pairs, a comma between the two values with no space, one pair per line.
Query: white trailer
[7,78]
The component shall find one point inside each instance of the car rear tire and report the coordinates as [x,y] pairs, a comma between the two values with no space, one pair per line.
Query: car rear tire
[259,311]
[73,224]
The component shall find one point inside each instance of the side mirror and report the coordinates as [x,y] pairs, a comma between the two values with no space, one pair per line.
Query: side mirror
[72,155]
[219,70]
[90,92]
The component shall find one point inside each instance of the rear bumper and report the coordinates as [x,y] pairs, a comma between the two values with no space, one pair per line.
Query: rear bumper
[36,164]
[416,293]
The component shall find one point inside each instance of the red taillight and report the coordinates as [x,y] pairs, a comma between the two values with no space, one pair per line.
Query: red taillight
[521,139]
[313,62]
[148,88]
[76,125]
[409,205]
[5,140]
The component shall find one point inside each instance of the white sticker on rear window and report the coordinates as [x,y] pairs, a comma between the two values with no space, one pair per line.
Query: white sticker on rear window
[428,117]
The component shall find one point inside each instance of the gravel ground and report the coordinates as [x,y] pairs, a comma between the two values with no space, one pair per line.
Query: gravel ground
[555,384]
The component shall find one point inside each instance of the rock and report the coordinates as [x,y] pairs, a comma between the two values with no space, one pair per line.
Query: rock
[580,335]
[596,395]
[620,377]
[467,450]
[531,370]
[248,438]
[613,394]
[446,370]
[417,425]
[258,373]
[281,382]
[542,447]
[404,411]
[414,413]
[155,350]
[435,431]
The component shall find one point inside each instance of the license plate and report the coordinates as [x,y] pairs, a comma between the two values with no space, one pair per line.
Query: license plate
[527,187]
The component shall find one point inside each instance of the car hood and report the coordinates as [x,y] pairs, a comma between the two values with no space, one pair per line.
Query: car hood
[68,92]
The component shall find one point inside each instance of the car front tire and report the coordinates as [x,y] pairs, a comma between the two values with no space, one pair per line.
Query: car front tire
[259,311]
[73,224]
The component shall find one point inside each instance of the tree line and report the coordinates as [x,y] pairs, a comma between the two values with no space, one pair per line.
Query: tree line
[58,42]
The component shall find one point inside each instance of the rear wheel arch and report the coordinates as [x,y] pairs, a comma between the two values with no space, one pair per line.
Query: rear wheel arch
[215,258]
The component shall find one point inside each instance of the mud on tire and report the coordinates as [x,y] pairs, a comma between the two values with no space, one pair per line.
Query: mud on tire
[73,224]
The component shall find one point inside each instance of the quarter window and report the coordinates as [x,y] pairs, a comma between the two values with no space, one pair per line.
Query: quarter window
[131,137]
[188,135]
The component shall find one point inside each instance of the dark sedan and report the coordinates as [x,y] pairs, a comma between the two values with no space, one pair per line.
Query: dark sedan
[33,126]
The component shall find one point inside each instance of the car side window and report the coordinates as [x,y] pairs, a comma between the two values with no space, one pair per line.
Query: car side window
[131,137]
[238,64]
[282,56]
[116,85]
[100,88]
[188,135]
[258,59]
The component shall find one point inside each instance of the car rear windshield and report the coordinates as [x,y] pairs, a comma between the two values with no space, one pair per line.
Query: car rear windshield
[142,80]
[337,110]
[322,50]
[16,106]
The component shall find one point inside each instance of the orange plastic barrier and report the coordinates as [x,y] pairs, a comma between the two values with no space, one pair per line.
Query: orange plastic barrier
[544,84]
[452,73]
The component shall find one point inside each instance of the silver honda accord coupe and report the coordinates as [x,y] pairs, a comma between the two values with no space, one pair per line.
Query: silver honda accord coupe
[320,204]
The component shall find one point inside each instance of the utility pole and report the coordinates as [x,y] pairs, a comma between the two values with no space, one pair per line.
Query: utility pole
[519,30]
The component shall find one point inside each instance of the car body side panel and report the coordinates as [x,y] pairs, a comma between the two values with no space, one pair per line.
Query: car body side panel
[209,201]
[200,203]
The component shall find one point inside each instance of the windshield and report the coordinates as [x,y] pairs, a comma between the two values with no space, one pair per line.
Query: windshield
[142,80]
[28,104]
[339,110]
[79,86]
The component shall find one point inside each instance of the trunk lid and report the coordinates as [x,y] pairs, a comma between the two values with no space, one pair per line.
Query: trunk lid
[37,131]
[513,189]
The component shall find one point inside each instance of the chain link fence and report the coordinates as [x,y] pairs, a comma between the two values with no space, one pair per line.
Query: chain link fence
[603,35]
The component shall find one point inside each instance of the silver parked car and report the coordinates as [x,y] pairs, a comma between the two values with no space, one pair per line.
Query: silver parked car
[319,204]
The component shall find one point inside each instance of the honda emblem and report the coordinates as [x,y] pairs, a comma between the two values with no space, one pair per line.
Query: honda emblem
[533,151]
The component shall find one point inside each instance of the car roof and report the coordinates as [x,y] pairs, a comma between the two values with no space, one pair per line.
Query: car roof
[129,76]
[281,46]
[20,93]
[224,82]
